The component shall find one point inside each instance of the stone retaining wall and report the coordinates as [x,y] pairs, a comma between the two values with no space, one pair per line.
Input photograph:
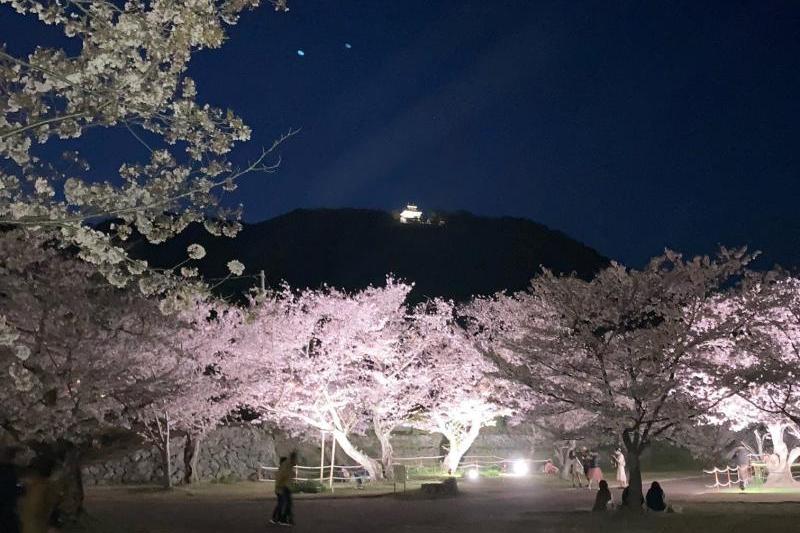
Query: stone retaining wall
[234,453]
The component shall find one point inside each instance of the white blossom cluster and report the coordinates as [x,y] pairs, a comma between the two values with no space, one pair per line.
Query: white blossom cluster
[130,74]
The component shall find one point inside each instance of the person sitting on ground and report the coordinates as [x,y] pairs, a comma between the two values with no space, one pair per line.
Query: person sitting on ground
[602,500]
[655,498]
[549,469]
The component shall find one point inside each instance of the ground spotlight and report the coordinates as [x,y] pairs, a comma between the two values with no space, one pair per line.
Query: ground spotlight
[520,467]
[473,474]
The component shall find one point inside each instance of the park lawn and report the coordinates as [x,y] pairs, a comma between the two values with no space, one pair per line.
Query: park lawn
[240,490]
[699,517]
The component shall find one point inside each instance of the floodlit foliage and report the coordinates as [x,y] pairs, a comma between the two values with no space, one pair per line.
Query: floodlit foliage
[463,392]
[68,374]
[635,348]
[129,74]
[763,363]
[325,355]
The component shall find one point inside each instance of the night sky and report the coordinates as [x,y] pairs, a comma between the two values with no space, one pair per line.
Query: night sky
[631,126]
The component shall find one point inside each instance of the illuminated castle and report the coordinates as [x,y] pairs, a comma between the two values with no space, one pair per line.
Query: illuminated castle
[411,214]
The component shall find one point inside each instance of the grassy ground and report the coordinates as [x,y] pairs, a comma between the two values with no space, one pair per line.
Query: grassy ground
[703,517]
[506,505]
[243,489]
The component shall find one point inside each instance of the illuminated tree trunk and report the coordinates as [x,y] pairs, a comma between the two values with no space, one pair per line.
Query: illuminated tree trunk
[779,462]
[366,462]
[158,431]
[191,456]
[562,456]
[460,439]
[387,452]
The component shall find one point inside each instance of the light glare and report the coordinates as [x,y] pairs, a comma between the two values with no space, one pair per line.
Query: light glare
[520,467]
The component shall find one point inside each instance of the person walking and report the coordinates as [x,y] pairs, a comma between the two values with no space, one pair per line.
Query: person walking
[9,491]
[619,460]
[742,458]
[593,471]
[283,513]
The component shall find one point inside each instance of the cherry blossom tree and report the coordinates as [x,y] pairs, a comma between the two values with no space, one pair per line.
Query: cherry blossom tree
[195,378]
[463,394]
[636,348]
[324,355]
[68,376]
[131,75]
[763,367]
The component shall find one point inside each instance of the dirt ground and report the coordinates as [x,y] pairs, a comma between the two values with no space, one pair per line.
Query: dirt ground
[484,506]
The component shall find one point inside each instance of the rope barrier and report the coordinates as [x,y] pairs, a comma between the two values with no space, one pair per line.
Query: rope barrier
[467,462]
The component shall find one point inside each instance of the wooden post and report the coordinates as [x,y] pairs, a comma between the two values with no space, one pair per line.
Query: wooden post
[333,458]
[322,458]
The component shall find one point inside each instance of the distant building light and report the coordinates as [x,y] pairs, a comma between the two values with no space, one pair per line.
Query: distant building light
[410,214]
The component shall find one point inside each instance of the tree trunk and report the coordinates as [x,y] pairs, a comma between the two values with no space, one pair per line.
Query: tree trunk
[460,443]
[369,464]
[779,462]
[387,452]
[635,492]
[562,456]
[70,507]
[166,457]
[634,448]
[191,455]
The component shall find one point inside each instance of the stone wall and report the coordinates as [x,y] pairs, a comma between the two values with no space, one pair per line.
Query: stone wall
[229,453]
[235,452]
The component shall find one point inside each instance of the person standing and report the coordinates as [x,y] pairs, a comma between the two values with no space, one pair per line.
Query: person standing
[575,468]
[277,513]
[42,495]
[584,458]
[283,513]
[742,458]
[619,459]
[9,491]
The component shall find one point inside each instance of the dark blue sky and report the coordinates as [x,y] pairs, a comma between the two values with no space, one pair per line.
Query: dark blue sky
[629,125]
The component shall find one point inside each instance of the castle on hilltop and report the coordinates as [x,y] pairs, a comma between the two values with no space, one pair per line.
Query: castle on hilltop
[413,215]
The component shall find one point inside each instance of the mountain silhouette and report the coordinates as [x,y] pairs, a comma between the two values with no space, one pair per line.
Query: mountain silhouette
[352,248]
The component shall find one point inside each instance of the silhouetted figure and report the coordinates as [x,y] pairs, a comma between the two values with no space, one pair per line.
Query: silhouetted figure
[42,495]
[9,491]
[277,513]
[742,459]
[603,497]
[655,498]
